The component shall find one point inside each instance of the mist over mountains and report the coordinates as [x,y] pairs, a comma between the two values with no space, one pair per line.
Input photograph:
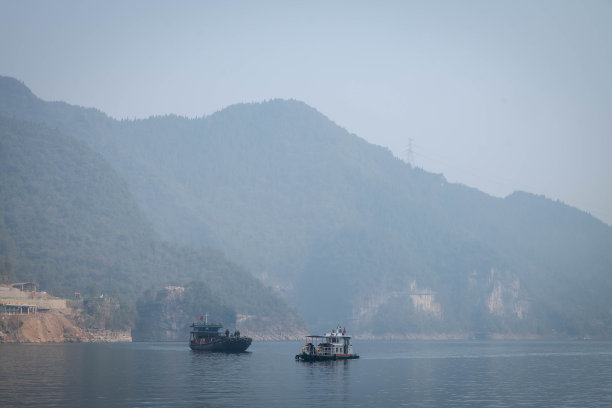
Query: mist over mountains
[342,229]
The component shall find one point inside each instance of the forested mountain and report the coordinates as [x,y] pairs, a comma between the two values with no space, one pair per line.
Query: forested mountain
[70,223]
[345,230]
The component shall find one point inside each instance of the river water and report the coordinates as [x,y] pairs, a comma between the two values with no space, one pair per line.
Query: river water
[388,374]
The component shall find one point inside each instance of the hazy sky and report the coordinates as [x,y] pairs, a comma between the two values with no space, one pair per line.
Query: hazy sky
[498,95]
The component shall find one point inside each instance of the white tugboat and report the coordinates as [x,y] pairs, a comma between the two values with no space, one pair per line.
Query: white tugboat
[335,345]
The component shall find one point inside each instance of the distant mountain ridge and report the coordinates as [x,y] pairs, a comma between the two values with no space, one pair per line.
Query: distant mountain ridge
[70,223]
[345,230]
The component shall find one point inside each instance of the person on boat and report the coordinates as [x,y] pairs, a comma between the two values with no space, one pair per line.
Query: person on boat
[310,348]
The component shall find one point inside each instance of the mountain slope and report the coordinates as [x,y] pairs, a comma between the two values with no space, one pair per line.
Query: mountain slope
[347,231]
[51,186]
[69,222]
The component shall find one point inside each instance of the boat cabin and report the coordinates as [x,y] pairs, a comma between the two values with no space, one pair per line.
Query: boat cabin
[333,345]
[204,332]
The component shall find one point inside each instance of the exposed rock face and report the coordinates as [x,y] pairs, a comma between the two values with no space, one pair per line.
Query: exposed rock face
[53,326]
[164,318]
[424,301]
[409,303]
[505,297]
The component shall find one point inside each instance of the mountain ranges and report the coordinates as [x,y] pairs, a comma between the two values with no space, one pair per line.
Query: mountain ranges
[281,218]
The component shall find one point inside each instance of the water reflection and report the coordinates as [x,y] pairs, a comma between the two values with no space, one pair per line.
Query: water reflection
[331,379]
[418,374]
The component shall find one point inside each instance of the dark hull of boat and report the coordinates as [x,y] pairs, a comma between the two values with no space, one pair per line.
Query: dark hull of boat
[311,357]
[224,345]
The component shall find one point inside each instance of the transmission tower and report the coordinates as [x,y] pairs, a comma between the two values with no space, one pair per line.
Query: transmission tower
[409,153]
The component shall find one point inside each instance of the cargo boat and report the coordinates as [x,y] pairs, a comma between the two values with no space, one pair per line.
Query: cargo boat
[206,337]
[335,345]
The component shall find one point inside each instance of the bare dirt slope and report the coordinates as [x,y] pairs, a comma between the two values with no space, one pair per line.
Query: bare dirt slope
[55,326]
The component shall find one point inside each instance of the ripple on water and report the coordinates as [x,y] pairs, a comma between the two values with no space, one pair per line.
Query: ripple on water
[408,373]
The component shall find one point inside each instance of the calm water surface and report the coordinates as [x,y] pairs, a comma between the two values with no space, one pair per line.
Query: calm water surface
[395,373]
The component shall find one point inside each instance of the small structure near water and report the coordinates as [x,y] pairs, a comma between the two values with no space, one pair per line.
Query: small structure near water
[24,298]
[17,309]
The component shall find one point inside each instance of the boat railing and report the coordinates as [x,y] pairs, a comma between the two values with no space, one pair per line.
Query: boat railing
[326,349]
